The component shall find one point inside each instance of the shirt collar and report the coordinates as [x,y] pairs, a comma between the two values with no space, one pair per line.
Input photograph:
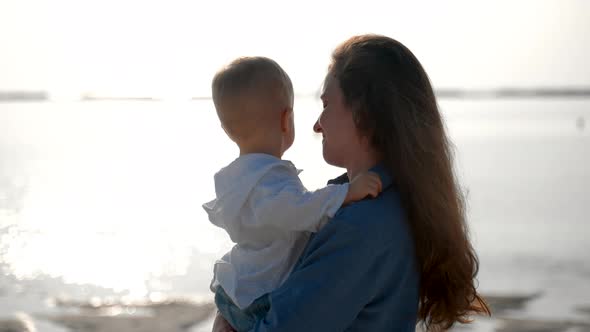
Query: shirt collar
[380,169]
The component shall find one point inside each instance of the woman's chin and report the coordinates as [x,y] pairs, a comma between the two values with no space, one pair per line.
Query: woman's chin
[326,157]
[329,159]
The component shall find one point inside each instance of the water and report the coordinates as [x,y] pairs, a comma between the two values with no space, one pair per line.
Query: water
[104,198]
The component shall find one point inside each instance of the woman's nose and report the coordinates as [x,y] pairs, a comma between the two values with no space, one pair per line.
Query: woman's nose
[317,127]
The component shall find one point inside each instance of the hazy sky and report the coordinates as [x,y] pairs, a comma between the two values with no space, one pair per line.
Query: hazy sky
[172,48]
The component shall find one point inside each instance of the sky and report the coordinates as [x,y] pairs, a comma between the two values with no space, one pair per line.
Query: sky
[172,48]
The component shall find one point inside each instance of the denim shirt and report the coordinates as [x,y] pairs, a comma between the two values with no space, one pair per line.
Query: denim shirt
[358,273]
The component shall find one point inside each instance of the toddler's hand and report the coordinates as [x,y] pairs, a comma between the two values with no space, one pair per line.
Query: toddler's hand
[363,185]
[221,325]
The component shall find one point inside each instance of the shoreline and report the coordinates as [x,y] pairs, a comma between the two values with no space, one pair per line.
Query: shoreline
[184,314]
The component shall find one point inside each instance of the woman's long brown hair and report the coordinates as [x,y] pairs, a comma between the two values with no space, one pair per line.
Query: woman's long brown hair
[394,105]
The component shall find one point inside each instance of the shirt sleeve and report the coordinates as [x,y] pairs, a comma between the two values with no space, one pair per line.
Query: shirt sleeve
[280,200]
[342,270]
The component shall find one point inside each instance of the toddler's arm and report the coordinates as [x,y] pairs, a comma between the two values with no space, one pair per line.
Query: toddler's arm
[281,200]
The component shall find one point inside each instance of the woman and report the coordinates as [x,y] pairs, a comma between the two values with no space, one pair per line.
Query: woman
[383,264]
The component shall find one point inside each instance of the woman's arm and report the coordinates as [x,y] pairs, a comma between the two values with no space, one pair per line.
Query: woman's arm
[345,266]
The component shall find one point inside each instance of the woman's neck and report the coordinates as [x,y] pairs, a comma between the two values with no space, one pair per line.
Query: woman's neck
[362,163]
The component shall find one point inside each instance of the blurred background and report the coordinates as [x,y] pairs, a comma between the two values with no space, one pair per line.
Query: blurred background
[109,143]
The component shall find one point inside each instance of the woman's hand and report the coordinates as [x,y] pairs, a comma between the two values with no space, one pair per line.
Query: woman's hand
[221,325]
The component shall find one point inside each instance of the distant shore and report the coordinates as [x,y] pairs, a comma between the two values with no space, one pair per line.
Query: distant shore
[444,93]
[513,93]
[33,96]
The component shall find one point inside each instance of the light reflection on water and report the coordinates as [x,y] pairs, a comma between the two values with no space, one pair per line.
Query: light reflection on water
[113,194]
[110,193]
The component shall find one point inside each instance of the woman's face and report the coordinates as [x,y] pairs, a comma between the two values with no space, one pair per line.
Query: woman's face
[340,135]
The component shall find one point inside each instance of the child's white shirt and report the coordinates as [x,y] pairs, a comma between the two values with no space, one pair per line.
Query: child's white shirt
[268,214]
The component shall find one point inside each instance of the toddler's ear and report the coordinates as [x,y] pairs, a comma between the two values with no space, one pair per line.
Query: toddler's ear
[286,116]
[228,133]
[223,127]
